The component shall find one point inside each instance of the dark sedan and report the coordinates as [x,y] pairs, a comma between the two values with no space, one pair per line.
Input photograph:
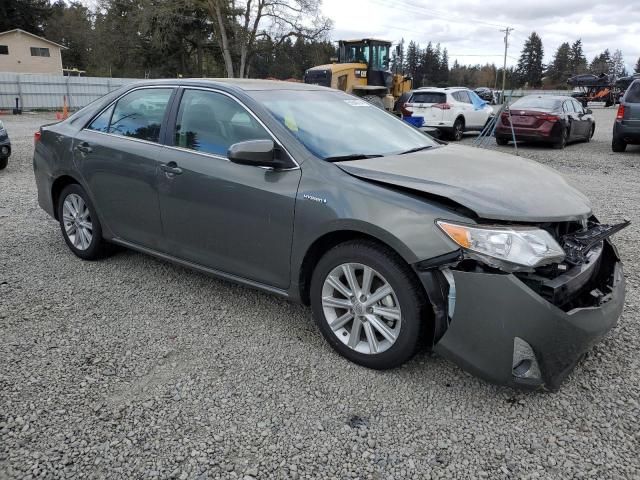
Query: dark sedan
[555,120]
[395,241]
[5,147]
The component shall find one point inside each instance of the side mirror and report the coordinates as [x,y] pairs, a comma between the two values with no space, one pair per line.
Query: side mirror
[589,111]
[258,153]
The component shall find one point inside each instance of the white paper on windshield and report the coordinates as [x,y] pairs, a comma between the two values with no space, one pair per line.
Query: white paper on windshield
[358,103]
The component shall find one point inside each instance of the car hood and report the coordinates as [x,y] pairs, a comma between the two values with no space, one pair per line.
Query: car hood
[494,185]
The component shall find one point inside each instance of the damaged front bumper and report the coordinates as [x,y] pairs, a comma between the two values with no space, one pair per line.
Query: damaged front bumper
[504,331]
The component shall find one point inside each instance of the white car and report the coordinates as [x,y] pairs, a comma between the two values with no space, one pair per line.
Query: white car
[452,110]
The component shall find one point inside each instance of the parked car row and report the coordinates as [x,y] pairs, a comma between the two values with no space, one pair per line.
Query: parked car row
[559,120]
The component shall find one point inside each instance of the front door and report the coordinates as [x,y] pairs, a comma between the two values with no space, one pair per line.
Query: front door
[236,219]
[118,155]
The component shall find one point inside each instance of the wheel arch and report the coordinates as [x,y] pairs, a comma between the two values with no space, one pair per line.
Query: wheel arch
[56,189]
[326,242]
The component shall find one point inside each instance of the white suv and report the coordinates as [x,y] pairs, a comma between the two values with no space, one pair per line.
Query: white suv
[452,110]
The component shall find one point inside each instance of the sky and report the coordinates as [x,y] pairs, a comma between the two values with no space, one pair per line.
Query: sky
[470,29]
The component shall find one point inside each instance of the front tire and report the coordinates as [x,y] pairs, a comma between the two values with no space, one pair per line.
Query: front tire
[79,224]
[368,304]
[502,141]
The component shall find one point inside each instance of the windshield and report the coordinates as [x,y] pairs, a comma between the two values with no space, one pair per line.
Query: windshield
[537,103]
[334,124]
[356,53]
[428,97]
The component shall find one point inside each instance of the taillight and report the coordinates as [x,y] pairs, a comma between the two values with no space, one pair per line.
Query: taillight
[442,106]
[620,114]
[36,136]
[405,112]
[548,118]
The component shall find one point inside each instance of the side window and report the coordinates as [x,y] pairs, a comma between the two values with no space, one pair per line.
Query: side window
[577,107]
[211,122]
[464,97]
[455,96]
[568,107]
[101,122]
[139,114]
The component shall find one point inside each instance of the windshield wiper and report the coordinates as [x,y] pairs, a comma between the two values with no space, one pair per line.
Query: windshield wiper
[417,149]
[353,156]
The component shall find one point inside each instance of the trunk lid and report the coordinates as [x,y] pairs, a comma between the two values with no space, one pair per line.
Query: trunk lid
[429,105]
[530,118]
[496,186]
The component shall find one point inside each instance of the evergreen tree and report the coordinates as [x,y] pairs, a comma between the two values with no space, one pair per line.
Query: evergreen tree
[443,77]
[578,62]
[560,68]
[28,15]
[412,61]
[601,63]
[530,67]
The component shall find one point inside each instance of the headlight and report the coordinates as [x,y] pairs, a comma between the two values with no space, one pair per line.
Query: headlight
[507,248]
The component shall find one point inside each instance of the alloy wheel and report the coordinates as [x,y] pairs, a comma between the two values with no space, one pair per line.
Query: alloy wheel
[77,221]
[361,308]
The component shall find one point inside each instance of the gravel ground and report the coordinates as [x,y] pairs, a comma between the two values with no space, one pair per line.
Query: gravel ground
[132,367]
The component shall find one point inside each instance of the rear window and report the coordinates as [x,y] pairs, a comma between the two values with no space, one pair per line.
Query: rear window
[537,102]
[633,93]
[428,97]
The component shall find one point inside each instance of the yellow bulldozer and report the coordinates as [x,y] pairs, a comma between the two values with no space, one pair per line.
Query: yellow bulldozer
[362,68]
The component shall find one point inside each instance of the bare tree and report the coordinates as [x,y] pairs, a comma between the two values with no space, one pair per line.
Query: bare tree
[239,23]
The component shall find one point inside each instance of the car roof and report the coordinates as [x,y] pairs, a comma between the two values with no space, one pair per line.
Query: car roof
[439,89]
[552,97]
[244,84]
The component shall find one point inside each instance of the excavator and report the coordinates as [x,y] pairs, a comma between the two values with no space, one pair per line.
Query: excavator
[362,69]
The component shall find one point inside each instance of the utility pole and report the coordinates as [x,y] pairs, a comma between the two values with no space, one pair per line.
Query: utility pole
[506,31]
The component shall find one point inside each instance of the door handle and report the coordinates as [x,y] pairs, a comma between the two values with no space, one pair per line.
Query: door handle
[84,147]
[171,168]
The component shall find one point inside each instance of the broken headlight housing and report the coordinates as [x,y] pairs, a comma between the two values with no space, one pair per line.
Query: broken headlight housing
[508,248]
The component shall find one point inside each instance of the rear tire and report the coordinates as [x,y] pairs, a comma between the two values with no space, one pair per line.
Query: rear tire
[562,142]
[4,162]
[502,141]
[374,100]
[79,224]
[458,130]
[618,146]
[406,301]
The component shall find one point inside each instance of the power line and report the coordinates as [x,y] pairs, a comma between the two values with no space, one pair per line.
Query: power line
[436,13]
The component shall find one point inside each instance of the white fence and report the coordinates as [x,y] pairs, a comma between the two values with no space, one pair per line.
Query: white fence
[48,91]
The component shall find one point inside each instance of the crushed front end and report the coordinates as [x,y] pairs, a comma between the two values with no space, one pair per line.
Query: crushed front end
[527,328]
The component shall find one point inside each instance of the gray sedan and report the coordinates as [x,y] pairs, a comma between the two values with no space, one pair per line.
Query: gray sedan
[394,240]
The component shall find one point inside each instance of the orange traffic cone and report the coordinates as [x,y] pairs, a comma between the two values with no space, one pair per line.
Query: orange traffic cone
[65,110]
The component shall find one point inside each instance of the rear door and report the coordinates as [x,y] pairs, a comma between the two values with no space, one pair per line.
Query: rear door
[631,102]
[474,117]
[236,219]
[118,155]
[428,105]
[583,120]
[573,121]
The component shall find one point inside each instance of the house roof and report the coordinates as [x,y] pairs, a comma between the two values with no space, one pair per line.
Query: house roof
[19,30]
